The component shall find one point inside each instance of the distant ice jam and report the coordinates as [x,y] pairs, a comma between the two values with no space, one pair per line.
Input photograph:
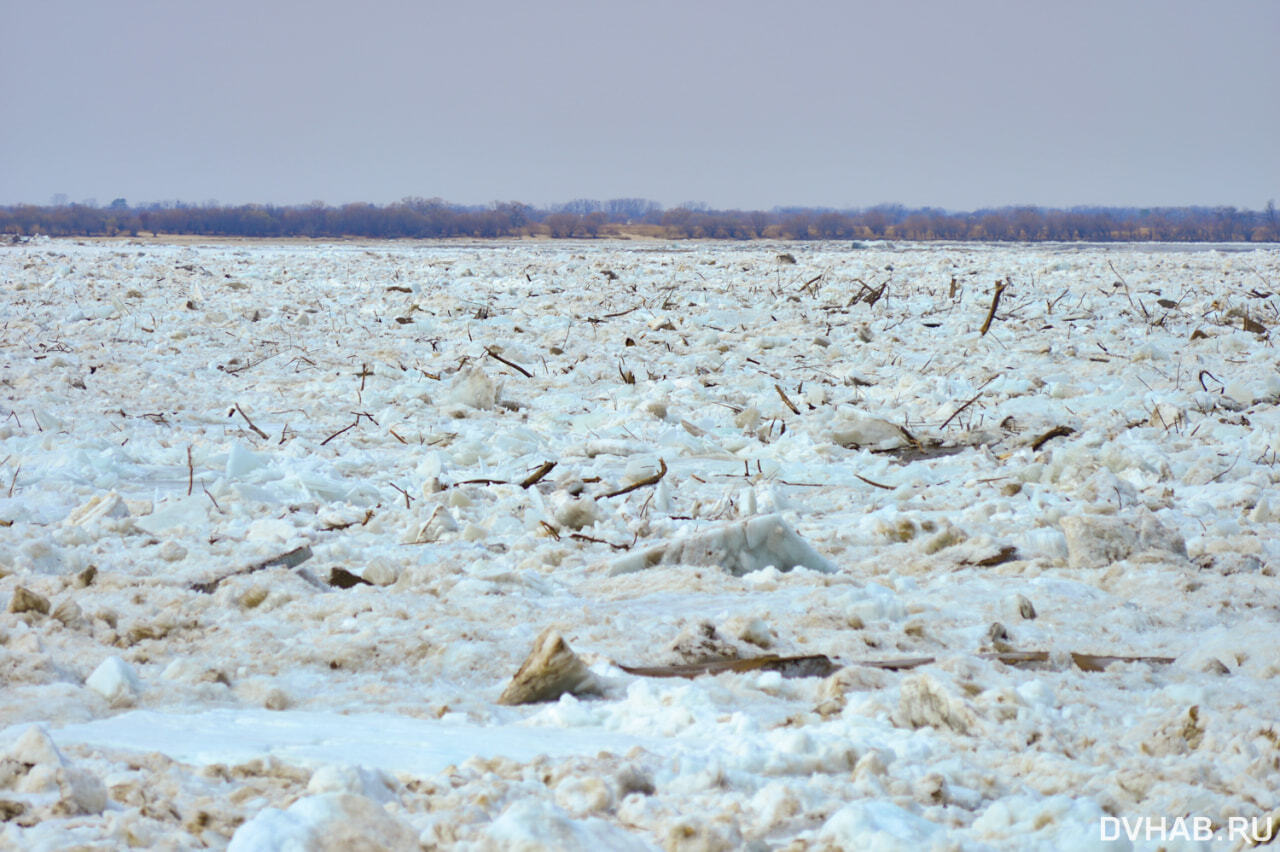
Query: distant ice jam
[1164,829]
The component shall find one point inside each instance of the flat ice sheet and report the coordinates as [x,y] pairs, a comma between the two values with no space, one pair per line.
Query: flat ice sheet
[375,740]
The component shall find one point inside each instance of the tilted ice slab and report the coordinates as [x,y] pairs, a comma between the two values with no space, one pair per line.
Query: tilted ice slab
[739,548]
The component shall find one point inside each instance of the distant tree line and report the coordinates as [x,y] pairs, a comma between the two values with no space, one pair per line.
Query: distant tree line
[586,218]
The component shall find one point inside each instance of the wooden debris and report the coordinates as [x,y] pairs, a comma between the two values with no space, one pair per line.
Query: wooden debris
[256,430]
[995,302]
[812,281]
[819,665]
[536,477]
[1205,387]
[648,480]
[971,399]
[339,432]
[1055,432]
[594,540]
[341,578]
[1099,663]
[495,356]
[407,499]
[289,559]
[785,400]
[1252,325]
[873,483]
[1007,553]
[810,665]
[550,670]
[923,451]
[1084,662]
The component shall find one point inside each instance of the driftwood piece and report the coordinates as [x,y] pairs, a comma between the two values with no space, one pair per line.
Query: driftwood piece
[1055,432]
[341,578]
[1007,553]
[290,559]
[819,665]
[810,665]
[536,477]
[995,302]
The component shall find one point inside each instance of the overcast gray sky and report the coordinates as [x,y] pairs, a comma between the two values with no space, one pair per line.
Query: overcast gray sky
[738,104]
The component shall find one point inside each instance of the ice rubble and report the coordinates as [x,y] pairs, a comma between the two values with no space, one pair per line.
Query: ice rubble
[179,414]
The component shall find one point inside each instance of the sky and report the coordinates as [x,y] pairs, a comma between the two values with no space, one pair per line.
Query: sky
[745,104]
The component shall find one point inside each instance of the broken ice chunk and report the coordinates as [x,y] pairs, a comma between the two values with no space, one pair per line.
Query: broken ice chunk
[116,681]
[109,505]
[1095,541]
[474,389]
[739,548]
[241,461]
[872,433]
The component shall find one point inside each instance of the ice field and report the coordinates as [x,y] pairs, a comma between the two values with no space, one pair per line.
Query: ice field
[816,546]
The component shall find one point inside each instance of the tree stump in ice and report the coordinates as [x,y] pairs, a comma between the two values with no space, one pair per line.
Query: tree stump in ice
[550,670]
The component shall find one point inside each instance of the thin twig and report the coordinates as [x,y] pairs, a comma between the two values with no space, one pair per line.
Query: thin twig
[258,431]
[511,364]
[648,480]
[581,537]
[1228,470]
[339,432]
[1204,373]
[971,399]
[407,498]
[211,500]
[191,472]
[868,481]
